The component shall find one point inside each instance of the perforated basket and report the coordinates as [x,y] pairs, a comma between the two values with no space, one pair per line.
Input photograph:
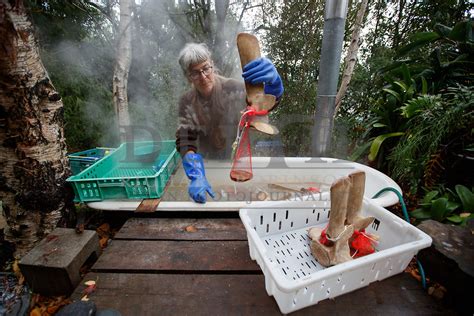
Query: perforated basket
[81,160]
[278,241]
[137,170]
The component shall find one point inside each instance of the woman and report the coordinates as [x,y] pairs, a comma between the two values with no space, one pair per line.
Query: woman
[209,113]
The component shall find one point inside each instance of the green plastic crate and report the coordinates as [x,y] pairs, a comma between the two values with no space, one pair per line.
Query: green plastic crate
[133,171]
[83,159]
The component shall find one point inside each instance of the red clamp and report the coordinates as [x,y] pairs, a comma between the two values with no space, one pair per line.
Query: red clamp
[249,112]
[253,112]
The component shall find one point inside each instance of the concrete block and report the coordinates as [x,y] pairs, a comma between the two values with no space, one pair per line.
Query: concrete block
[52,267]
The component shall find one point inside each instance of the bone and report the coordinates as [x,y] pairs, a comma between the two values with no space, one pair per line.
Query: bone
[339,195]
[354,204]
[314,233]
[338,250]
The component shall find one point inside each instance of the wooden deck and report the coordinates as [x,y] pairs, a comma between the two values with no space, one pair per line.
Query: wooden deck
[155,266]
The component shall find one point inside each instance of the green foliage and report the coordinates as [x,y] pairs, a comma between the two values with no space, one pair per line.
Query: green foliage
[451,59]
[378,141]
[293,41]
[454,207]
[386,125]
[215,23]
[426,104]
[467,198]
[434,122]
[59,20]
[393,24]
[75,49]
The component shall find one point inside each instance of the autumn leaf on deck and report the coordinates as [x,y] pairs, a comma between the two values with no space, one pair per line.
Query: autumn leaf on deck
[103,230]
[191,229]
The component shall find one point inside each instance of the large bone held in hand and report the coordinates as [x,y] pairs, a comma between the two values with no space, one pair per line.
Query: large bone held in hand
[249,50]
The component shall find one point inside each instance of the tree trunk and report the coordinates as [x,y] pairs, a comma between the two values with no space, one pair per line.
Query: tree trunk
[122,64]
[195,23]
[219,43]
[351,57]
[33,162]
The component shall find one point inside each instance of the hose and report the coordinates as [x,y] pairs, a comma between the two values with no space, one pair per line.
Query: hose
[407,218]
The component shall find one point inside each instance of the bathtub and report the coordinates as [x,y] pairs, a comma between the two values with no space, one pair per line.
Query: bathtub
[293,173]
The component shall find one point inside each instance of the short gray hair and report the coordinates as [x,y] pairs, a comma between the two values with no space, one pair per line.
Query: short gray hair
[192,54]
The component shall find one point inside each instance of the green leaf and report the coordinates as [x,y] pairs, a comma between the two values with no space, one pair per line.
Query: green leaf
[379,125]
[393,93]
[420,214]
[377,142]
[466,197]
[406,75]
[359,151]
[460,32]
[442,30]
[402,86]
[390,67]
[430,196]
[411,108]
[455,219]
[439,209]
[424,85]
[418,40]
[452,206]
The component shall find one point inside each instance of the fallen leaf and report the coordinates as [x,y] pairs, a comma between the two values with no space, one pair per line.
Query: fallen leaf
[85,298]
[437,291]
[47,305]
[17,272]
[89,283]
[35,312]
[103,230]
[80,228]
[35,298]
[191,229]
[103,242]
[463,215]
[16,268]
[53,309]
[431,290]
[415,274]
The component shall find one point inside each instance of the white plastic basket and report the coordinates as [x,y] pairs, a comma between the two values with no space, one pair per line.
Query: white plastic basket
[278,241]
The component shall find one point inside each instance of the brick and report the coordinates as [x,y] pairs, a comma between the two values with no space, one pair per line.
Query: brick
[52,267]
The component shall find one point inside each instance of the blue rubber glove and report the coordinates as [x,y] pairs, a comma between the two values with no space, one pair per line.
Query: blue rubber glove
[194,168]
[261,70]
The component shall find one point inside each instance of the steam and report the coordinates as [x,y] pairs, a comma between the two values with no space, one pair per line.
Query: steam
[155,81]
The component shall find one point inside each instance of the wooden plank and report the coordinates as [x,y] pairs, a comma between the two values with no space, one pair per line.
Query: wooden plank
[175,229]
[178,294]
[148,206]
[156,256]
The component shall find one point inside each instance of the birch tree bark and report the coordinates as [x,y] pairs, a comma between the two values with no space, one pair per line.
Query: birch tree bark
[351,57]
[122,64]
[33,162]
[219,44]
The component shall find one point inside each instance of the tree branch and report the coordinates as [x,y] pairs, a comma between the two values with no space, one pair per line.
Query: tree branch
[351,57]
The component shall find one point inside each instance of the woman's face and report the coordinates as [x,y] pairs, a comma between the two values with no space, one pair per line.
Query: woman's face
[202,77]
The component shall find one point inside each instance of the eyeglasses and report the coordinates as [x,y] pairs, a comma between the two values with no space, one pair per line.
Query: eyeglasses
[195,74]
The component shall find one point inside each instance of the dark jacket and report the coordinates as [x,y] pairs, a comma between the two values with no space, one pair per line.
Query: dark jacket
[209,127]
